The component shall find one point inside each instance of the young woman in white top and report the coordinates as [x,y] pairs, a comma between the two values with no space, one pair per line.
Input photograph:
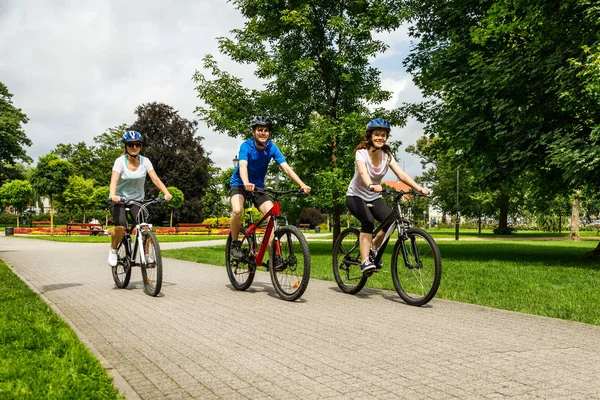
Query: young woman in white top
[363,198]
[127,182]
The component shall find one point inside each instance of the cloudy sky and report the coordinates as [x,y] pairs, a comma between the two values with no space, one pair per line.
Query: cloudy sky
[77,68]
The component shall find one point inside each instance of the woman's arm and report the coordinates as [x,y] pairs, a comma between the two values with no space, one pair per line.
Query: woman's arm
[159,185]
[403,176]
[112,193]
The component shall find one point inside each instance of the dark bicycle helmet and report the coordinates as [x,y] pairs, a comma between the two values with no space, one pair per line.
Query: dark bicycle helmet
[260,120]
[379,123]
[131,136]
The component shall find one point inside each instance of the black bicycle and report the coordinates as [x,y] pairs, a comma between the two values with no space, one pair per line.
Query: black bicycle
[416,262]
[129,252]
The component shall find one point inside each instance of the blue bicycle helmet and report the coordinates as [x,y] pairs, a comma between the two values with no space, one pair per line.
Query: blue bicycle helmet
[131,136]
[260,120]
[379,123]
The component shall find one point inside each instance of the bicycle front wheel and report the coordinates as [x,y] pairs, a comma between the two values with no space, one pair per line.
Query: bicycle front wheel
[240,271]
[346,262]
[152,269]
[416,267]
[289,263]
[122,271]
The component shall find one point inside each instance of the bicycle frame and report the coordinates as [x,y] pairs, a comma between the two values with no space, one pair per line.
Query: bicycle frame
[275,213]
[398,222]
[140,225]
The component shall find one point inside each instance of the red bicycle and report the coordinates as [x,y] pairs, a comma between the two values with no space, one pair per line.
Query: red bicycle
[289,258]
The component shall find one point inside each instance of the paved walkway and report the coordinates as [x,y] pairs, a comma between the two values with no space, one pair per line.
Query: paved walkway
[201,339]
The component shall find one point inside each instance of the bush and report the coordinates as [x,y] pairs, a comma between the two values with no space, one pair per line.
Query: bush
[311,216]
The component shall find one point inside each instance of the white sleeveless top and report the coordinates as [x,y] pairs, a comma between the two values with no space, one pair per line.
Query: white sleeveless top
[131,183]
[357,186]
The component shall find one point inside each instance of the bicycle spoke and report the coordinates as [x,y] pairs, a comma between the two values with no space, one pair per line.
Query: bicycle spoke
[290,263]
[240,272]
[346,262]
[416,267]
[152,267]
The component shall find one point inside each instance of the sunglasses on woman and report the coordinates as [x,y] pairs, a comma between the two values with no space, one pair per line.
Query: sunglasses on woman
[134,145]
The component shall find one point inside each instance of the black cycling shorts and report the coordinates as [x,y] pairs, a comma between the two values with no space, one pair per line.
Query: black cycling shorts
[257,198]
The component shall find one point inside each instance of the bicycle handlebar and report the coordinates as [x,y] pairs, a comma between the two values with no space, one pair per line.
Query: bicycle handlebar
[279,192]
[143,202]
[400,193]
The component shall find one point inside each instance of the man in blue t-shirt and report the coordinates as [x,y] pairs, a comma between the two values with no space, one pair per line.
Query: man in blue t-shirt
[255,155]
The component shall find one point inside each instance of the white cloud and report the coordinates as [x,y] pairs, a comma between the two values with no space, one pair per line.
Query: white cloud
[77,68]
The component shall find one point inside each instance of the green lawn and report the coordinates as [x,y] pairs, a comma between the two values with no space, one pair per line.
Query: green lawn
[106,239]
[535,277]
[40,356]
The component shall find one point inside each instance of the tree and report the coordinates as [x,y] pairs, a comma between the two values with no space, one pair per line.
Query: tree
[94,162]
[50,178]
[12,135]
[177,154]
[99,200]
[507,91]
[216,198]
[314,58]
[18,194]
[175,203]
[76,195]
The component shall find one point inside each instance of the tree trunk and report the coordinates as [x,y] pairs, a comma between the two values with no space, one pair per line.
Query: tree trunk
[574,234]
[18,215]
[503,220]
[171,221]
[51,218]
[592,255]
[336,223]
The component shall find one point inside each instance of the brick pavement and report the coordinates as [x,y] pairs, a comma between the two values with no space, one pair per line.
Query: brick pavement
[201,339]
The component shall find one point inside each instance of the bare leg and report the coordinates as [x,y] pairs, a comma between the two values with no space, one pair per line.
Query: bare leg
[365,245]
[117,236]
[237,208]
[378,239]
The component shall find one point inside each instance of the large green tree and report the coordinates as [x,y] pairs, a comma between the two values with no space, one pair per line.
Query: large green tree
[50,178]
[507,90]
[12,136]
[314,57]
[178,156]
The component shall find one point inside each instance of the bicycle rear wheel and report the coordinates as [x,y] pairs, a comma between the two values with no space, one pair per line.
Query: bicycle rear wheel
[416,267]
[122,271]
[241,272]
[289,263]
[346,262]
[152,271]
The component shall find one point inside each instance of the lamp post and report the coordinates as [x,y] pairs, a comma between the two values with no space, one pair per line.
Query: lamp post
[236,161]
[458,153]
[457,214]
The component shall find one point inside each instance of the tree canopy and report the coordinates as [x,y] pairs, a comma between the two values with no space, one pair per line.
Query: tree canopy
[507,90]
[314,60]
[12,136]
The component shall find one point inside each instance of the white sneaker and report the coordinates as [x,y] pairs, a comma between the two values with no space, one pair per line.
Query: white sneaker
[112,258]
[149,259]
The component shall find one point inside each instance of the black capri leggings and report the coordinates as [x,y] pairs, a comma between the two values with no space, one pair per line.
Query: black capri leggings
[119,215]
[368,211]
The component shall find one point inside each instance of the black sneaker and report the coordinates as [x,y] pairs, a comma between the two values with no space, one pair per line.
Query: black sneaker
[367,267]
[236,250]
[372,256]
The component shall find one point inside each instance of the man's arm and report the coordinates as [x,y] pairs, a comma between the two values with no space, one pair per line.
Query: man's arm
[290,172]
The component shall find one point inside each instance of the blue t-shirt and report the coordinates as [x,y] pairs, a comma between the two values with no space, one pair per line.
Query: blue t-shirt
[258,161]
